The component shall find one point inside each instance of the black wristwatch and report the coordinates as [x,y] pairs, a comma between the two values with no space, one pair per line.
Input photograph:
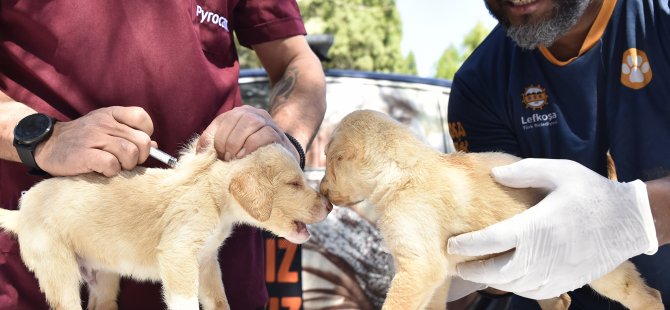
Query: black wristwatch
[28,133]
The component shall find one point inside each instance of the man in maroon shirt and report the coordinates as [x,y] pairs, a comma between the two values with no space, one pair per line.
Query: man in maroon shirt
[119,76]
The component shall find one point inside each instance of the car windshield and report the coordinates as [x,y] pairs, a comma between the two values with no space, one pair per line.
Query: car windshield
[419,103]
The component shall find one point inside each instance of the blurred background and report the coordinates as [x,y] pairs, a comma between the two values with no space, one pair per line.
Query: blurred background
[426,38]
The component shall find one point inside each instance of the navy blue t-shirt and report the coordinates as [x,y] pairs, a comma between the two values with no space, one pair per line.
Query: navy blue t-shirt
[614,96]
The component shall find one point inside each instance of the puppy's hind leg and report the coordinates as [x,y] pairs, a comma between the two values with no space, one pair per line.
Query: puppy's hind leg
[55,267]
[212,295]
[103,290]
[557,303]
[625,285]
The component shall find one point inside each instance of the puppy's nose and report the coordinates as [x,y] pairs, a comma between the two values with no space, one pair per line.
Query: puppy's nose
[329,206]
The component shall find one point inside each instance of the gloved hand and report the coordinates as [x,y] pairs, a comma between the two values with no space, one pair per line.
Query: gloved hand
[583,229]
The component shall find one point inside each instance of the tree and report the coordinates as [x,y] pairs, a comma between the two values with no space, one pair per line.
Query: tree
[476,35]
[448,63]
[367,34]
[452,58]
[247,57]
[410,62]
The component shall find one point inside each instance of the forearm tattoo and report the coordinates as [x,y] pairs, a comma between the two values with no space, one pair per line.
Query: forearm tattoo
[284,87]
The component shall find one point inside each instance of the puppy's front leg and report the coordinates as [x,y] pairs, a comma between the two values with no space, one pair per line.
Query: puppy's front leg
[414,283]
[103,290]
[440,297]
[421,267]
[178,264]
[212,295]
[179,274]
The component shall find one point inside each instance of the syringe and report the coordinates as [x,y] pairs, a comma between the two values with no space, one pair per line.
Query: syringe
[163,157]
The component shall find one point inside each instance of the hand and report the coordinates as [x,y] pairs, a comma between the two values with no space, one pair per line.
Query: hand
[104,141]
[583,229]
[241,131]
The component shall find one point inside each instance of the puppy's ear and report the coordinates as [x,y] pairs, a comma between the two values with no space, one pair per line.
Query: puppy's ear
[253,190]
[344,152]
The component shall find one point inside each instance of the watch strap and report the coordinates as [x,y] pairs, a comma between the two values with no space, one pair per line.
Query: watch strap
[27,156]
[298,147]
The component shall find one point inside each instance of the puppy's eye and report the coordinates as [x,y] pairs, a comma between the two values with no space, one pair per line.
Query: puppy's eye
[295,184]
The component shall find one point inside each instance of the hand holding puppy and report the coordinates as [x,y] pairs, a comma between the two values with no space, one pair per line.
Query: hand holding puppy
[583,229]
[242,130]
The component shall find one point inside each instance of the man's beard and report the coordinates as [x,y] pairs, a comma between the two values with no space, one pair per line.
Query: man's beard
[545,32]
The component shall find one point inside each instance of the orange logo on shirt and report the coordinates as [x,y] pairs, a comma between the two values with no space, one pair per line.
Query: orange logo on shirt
[535,97]
[458,136]
[635,69]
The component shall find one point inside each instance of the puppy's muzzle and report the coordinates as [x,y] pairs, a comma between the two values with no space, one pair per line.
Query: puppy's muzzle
[325,205]
[329,206]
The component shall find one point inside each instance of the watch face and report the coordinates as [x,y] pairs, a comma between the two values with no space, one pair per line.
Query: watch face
[32,128]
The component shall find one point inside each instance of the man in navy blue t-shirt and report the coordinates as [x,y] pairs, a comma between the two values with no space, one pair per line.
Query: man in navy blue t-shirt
[571,82]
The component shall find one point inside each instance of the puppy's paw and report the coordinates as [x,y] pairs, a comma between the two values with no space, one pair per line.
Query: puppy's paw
[559,303]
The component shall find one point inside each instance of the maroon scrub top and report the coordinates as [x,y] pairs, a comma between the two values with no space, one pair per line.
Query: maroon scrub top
[175,59]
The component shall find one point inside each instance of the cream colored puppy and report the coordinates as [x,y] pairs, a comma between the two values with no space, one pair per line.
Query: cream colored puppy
[158,224]
[423,197]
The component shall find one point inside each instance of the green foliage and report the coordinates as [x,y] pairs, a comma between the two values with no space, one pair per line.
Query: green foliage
[452,58]
[367,34]
[247,57]
[474,38]
[448,63]
[411,64]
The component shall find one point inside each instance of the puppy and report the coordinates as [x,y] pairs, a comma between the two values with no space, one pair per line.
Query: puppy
[423,197]
[158,224]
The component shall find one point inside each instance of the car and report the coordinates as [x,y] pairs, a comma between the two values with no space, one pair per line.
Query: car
[345,264]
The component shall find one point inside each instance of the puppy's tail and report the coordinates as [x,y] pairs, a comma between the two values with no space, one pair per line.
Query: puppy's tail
[9,220]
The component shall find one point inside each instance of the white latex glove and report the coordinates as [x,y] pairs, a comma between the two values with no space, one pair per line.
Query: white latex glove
[460,288]
[583,229]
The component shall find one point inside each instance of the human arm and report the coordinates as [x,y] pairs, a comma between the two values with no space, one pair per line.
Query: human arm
[585,227]
[11,112]
[298,97]
[297,103]
[105,140]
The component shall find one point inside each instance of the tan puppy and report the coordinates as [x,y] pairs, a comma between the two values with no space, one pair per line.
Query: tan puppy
[423,197]
[158,224]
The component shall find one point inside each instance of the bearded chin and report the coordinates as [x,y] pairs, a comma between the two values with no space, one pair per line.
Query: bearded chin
[529,35]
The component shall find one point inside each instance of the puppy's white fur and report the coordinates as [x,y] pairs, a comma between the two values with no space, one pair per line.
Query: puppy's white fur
[158,224]
[423,197]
